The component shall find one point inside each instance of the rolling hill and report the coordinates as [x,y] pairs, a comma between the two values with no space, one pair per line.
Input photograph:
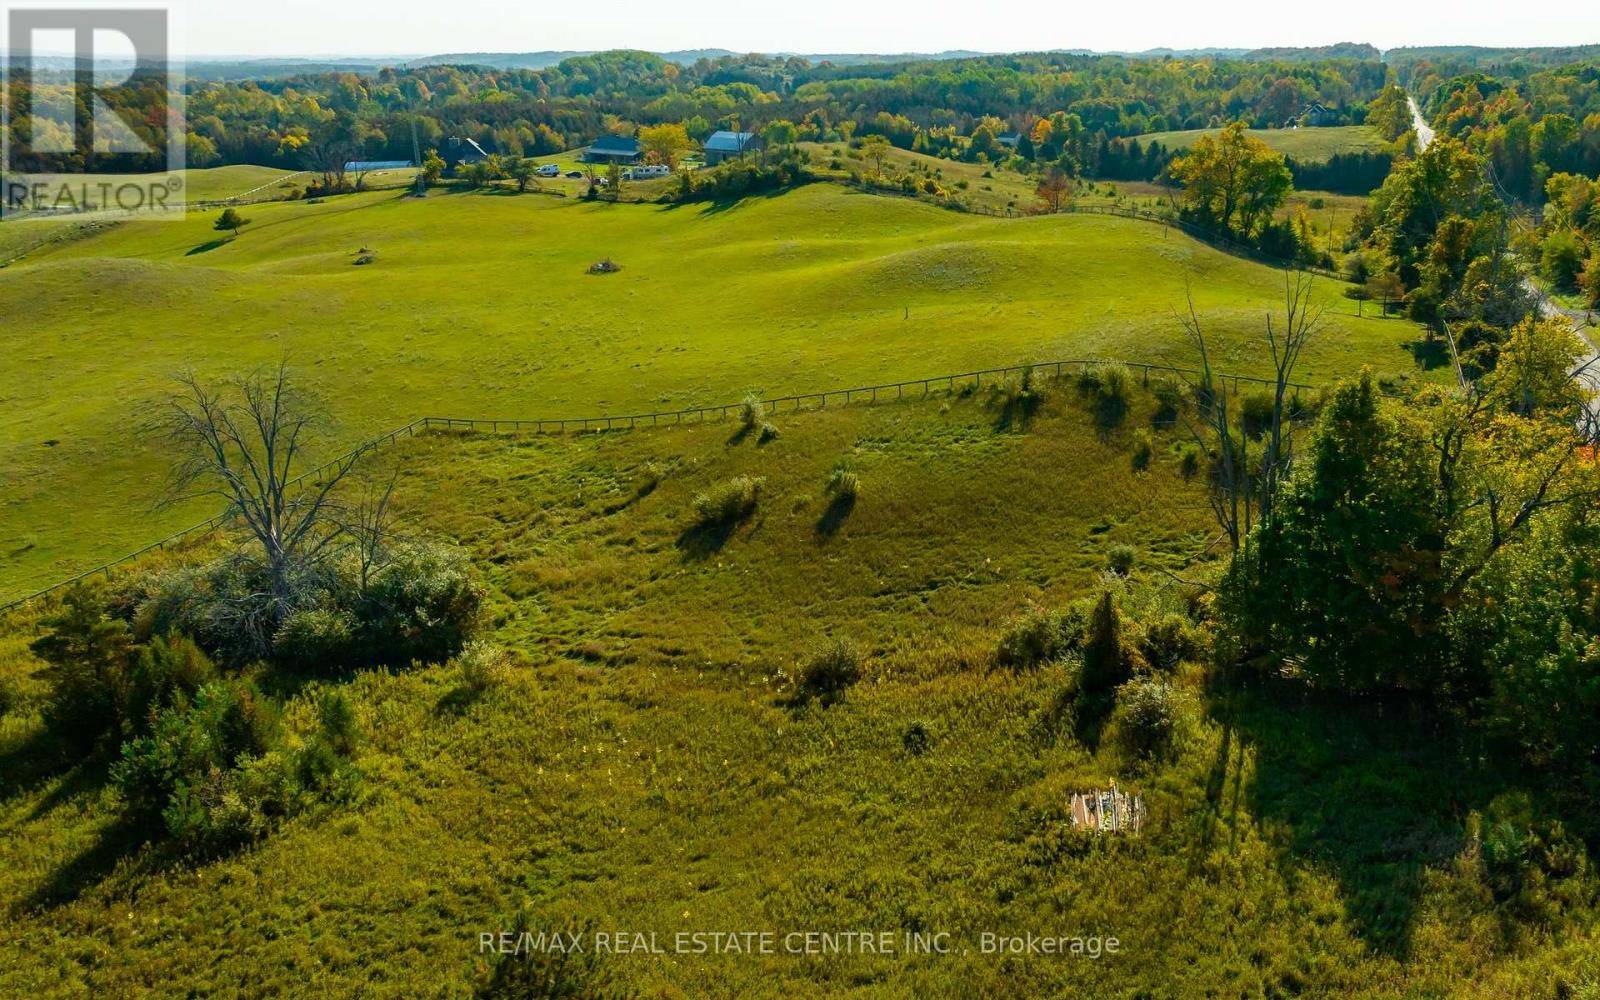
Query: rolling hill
[480,305]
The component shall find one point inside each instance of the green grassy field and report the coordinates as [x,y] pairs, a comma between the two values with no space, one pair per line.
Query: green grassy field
[480,305]
[640,765]
[1310,145]
[989,188]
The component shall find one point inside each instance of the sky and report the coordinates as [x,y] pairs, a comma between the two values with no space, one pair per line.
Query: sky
[425,27]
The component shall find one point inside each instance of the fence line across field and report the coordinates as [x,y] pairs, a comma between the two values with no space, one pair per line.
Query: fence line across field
[662,418]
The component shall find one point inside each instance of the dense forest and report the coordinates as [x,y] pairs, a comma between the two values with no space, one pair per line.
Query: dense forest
[939,104]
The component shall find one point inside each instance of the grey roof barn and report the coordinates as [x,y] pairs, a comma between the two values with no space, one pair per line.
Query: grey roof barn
[726,145]
[613,149]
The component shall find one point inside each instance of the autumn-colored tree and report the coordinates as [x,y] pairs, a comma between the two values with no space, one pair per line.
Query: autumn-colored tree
[1054,190]
[876,149]
[667,142]
[1232,180]
[432,168]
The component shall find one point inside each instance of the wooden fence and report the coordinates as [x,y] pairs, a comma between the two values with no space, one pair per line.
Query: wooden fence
[913,388]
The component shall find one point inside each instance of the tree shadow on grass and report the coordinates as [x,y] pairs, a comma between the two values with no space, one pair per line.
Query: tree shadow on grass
[208,247]
[729,202]
[89,868]
[1373,791]
[703,541]
[1429,354]
[835,514]
[457,700]
[1017,411]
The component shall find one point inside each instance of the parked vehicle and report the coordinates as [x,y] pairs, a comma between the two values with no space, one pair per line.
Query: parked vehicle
[575,174]
[549,170]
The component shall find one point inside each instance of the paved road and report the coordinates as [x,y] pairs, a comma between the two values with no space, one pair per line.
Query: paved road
[1424,130]
[1588,371]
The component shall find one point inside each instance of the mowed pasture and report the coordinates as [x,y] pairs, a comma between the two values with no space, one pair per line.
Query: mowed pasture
[480,304]
[640,763]
[1308,145]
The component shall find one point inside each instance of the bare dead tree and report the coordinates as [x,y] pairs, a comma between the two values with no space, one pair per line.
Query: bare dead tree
[243,441]
[1243,488]
[1226,446]
[328,157]
[370,525]
[1303,319]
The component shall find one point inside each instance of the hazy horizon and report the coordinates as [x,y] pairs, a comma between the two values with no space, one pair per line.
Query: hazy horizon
[399,29]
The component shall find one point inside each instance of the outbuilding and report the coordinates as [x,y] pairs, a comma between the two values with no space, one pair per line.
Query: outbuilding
[728,145]
[613,149]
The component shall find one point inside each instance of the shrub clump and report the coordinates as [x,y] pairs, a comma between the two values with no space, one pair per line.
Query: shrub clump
[729,502]
[482,665]
[215,771]
[1109,388]
[1038,635]
[1189,461]
[843,483]
[1255,413]
[1144,449]
[915,738]
[1120,558]
[769,432]
[1018,398]
[751,410]
[830,670]
[415,602]
[1169,397]
[1146,717]
[1172,639]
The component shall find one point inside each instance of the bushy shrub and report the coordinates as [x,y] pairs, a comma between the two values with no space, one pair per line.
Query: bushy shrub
[1144,450]
[843,483]
[729,502]
[1120,558]
[173,769]
[1109,388]
[829,671]
[1170,640]
[317,639]
[214,771]
[916,738]
[769,432]
[1169,397]
[168,671]
[1037,635]
[226,605]
[751,411]
[324,765]
[422,606]
[1531,862]
[482,665]
[1189,461]
[1255,413]
[1147,717]
[1018,397]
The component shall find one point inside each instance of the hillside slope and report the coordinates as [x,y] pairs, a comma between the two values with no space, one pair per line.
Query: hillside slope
[641,764]
[480,304]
